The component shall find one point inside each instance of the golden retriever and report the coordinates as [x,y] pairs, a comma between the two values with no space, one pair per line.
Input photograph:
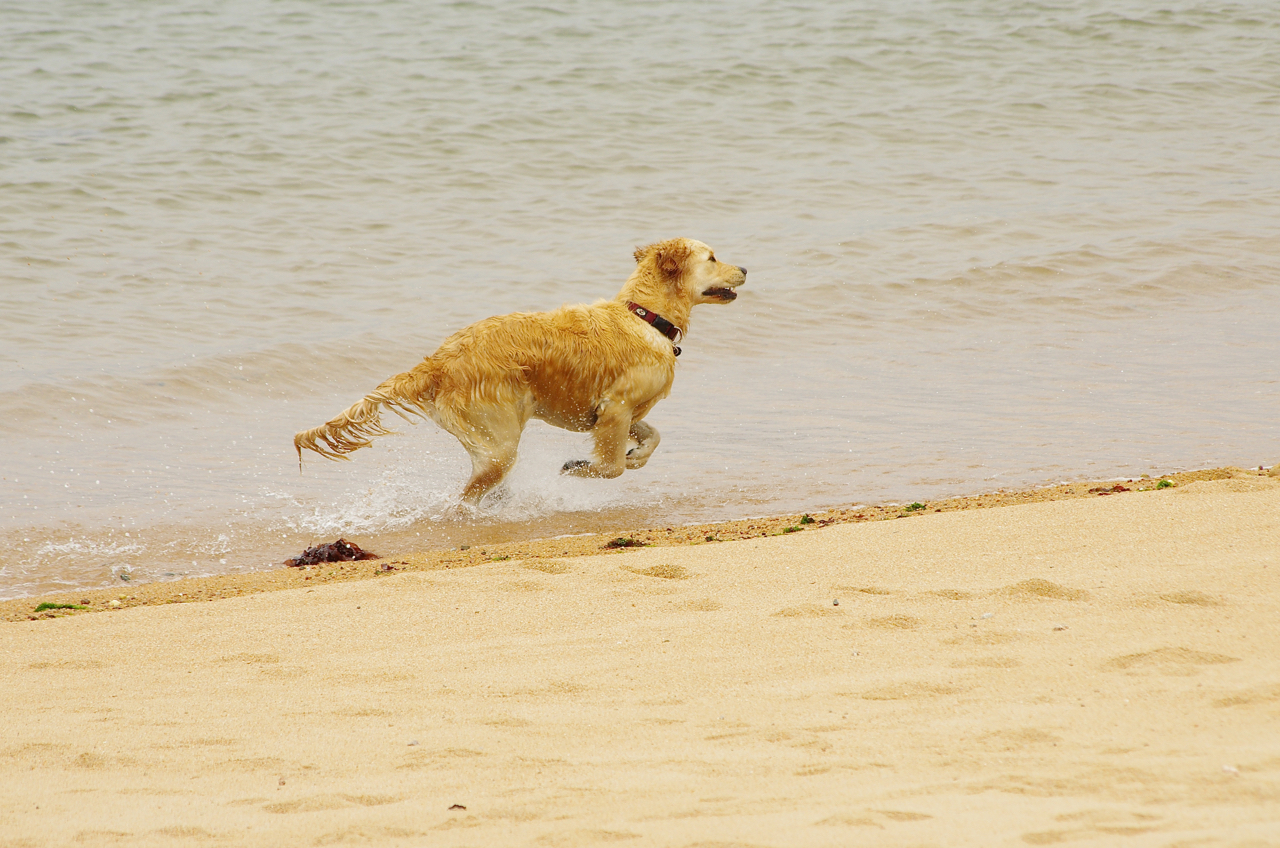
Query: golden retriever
[597,368]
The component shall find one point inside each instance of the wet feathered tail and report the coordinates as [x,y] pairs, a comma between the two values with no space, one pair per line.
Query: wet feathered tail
[405,394]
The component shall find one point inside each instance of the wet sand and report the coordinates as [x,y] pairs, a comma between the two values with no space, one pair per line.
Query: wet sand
[1074,666]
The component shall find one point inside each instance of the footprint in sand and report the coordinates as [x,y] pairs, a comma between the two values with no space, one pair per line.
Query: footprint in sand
[1191,598]
[366,835]
[1093,824]
[568,838]
[986,662]
[1172,661]
[702,605]
[507,721]
[909,691]
[863,590]
[317,803]
[547,566]
[363,712]
[875,818]
[524,586]
[952,594]
[896,622]
[1017,740]
[460,821]
[808,611]
[249,659]
[101,837]
[92,761]
[68,665]
[1035,589]
[666,572]
[183,832]
[1260,695]
[443,758]
[993,637]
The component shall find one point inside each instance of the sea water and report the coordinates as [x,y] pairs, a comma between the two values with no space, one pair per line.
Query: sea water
[990,244]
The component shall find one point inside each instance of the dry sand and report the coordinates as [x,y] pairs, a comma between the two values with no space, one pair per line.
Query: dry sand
[1102,669]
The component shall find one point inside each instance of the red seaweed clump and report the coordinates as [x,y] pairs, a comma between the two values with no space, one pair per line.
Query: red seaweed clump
[1103,490]
[339,551]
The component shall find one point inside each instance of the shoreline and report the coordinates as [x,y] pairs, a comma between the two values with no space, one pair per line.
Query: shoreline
[218,587]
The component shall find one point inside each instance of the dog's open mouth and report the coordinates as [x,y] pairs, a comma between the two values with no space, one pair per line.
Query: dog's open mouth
[721,294]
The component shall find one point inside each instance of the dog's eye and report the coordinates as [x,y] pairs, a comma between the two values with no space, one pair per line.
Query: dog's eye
[711,258]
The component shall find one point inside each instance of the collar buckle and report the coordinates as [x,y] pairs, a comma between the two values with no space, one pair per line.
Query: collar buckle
[662,325]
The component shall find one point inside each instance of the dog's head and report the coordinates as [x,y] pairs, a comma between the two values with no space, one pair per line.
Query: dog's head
[691,268]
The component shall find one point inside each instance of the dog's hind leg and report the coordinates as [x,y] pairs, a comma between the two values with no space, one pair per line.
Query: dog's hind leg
[491,440]
[487,471]
[646,437]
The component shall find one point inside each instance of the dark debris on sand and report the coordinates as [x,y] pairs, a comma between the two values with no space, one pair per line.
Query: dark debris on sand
[339,551]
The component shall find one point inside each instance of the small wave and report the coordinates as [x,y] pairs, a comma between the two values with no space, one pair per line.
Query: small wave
[78,548]
[214,547]
[55,564]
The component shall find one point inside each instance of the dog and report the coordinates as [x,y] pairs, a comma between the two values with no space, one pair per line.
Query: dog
[596,368]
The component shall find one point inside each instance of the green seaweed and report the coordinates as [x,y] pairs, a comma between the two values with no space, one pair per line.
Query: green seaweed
[51,606]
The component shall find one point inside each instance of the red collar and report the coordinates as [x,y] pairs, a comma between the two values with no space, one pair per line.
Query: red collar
[662,325]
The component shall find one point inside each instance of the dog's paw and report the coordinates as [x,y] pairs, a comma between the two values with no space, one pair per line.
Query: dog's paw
[460,511]
[574,466]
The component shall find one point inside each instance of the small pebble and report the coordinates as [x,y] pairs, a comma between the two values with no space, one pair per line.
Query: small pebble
[414,742]
[835,603]
[988,615]
[1231,770]
[1059,627]
[113,604]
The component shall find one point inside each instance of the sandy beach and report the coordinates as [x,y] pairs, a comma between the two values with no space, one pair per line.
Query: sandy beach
[1087,669]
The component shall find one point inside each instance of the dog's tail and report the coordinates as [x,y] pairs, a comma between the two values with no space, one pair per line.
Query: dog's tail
[405,394]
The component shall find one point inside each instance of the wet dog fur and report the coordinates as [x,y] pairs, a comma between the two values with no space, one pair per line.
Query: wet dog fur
[586,368]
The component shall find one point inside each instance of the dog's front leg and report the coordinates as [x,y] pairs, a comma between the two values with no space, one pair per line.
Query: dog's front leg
[613,423]
[646,437]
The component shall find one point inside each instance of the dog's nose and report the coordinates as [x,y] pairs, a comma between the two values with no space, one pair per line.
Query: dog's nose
[743,270]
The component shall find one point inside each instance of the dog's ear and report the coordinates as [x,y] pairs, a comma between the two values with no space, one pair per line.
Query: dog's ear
[641,253]
[669,257]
